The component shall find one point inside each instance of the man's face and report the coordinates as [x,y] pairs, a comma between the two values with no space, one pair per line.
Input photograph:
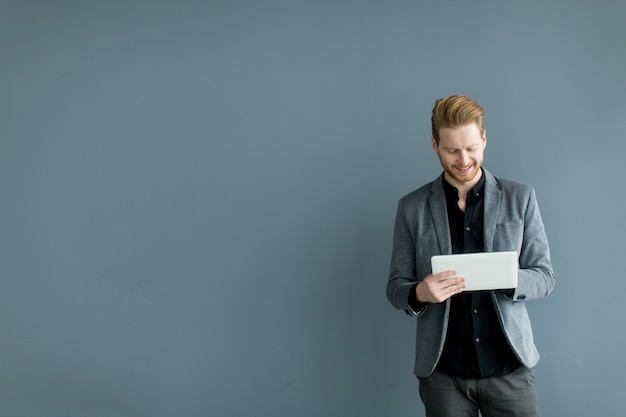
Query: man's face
[461,150]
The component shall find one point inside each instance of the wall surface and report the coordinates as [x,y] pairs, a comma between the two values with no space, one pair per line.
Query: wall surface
[197,197]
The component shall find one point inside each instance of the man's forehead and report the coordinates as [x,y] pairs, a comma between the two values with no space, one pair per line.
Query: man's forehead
[461,135]
[461,128]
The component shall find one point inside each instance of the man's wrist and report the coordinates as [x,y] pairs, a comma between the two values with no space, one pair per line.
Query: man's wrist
[414,303]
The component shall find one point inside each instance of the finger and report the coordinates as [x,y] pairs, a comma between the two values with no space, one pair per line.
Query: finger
[457,287]
[453,281]
[453,286]
[446,274]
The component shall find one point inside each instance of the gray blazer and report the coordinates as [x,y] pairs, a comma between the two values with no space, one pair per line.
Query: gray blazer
[511,222]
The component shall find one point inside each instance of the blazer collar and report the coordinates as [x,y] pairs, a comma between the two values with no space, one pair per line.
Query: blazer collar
[439,211]
[493,196]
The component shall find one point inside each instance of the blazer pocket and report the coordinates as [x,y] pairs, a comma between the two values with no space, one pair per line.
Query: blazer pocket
[515,224]
[509,236]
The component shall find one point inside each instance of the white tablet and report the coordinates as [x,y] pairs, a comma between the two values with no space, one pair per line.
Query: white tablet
[482,271]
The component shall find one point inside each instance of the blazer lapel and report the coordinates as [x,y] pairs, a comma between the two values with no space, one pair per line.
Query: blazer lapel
[492,196]
[437,204]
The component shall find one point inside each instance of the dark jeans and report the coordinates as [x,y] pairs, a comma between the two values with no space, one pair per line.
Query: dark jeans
[512,395]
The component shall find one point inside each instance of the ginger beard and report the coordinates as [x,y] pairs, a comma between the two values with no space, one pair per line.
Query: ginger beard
[462,174]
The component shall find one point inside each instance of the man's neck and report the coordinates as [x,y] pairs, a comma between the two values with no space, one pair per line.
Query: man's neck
[464,188]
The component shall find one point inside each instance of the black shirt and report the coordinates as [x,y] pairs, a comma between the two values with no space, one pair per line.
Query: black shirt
[475,345]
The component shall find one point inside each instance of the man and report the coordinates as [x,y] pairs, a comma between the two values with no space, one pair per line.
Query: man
[474,350]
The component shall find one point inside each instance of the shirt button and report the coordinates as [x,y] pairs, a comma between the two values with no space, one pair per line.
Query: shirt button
[467,228]
[475,311]
[478,340]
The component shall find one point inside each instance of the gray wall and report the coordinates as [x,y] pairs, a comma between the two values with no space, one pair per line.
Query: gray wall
[198,197]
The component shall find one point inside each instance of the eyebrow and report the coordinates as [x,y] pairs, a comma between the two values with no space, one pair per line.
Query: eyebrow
[447,148]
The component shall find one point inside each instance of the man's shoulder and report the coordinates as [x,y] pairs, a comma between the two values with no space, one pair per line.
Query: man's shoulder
[420,194]
[507,184]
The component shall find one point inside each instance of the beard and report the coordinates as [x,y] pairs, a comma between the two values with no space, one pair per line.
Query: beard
[473,170]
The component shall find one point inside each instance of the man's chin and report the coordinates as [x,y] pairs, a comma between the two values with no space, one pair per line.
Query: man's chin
[463,178]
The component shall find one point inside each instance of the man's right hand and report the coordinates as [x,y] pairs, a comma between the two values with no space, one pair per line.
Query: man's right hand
[439,287]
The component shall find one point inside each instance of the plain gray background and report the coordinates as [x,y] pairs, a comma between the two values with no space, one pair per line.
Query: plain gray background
[198,197]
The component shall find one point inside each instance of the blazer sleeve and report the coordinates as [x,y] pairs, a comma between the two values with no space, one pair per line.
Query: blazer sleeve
[536,276]
[402,275]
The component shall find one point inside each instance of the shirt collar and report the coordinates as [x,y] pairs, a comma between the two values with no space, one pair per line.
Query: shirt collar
[452,191]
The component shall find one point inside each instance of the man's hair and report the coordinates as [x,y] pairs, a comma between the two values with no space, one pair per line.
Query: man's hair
[455,111]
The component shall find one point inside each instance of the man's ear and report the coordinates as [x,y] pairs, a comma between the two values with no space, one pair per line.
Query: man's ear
[434,144]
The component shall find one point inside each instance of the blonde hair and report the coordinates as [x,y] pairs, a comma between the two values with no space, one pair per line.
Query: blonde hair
[455,111]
